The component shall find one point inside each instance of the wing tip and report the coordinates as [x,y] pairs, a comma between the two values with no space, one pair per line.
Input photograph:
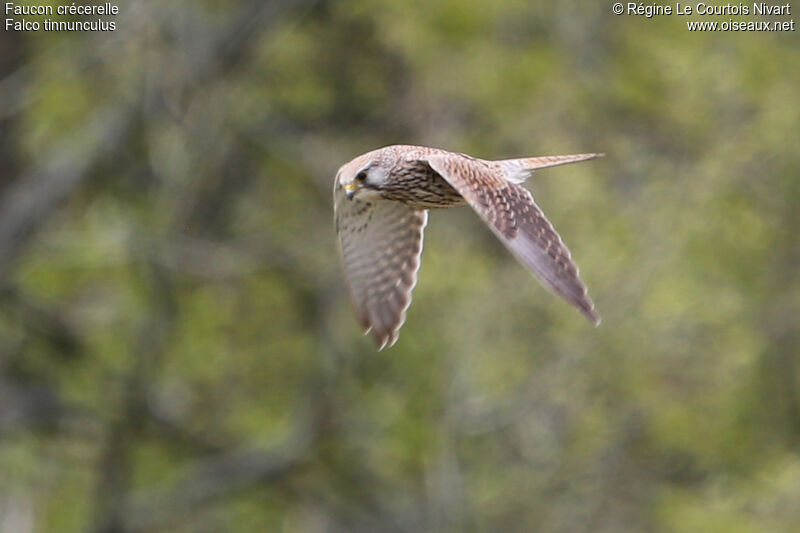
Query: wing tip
[586,308]
[578,158]
[382,344]
[385,339]
[532,164]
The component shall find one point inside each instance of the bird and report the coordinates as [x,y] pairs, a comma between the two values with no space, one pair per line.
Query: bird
[381,204]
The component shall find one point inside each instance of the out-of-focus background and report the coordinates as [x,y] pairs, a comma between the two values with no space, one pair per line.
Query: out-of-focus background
[177,348]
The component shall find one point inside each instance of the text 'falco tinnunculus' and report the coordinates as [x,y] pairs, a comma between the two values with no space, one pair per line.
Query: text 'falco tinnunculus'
[381,202]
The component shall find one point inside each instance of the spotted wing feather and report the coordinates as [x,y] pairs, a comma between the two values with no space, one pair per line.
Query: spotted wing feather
[381,243]
[512,214]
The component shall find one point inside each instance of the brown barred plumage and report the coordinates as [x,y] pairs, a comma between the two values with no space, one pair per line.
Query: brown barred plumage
[381,200]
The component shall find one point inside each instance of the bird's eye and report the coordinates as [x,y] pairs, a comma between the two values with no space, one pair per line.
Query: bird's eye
[361,176]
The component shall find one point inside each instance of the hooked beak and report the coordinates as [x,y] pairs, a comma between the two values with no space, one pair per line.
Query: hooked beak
[350,190]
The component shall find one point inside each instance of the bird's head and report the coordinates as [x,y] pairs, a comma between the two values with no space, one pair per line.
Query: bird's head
[363,177]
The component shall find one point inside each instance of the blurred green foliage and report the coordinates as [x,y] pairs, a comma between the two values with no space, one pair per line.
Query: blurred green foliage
[177,351]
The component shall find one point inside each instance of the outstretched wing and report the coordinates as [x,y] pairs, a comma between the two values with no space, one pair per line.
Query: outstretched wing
[518,170]
[518,222]
[381,243]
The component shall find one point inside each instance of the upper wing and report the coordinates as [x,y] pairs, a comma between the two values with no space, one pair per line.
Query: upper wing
[518,170]
[515,218]
[381,243]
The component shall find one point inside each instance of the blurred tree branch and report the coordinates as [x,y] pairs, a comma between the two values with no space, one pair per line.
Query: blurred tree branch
[31,199]
[40,321]
[224,474]
[114,469]
[12,55]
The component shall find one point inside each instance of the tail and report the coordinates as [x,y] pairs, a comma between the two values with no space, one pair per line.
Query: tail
[518,170]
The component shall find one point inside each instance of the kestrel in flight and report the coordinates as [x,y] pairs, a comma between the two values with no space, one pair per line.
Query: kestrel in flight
[381,202]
